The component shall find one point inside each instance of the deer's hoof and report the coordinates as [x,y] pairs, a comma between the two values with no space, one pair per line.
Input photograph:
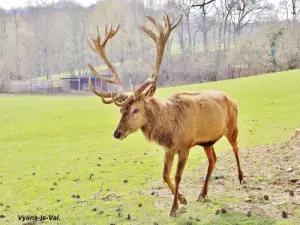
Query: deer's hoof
[182,200]
[242,181]
[241,178]
[201,198]
[173,213]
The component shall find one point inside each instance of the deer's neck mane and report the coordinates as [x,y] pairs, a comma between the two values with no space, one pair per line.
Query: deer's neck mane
[160,122]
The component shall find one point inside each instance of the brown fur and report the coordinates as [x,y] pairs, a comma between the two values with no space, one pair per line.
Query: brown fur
[189,119]
[179,123]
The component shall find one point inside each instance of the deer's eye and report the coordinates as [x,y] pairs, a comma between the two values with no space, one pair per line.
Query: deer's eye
[135,111]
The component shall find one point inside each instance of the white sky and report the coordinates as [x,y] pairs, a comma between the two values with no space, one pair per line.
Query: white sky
[8,4]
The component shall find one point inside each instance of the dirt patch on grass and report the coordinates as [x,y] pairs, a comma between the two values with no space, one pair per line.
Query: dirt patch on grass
[272,189]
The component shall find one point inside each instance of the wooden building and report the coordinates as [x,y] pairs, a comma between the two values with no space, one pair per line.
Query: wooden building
[81,83]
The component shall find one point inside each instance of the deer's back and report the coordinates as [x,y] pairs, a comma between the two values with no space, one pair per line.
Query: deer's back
[204,115]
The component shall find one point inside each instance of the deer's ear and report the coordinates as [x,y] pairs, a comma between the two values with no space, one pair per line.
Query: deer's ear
[150,91]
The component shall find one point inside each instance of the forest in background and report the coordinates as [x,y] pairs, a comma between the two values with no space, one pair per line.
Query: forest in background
[225,39]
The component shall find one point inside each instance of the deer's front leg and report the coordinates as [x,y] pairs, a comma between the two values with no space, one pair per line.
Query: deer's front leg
[182,157]
[169,159]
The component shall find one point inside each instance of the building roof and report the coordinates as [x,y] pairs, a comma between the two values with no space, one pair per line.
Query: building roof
[85,77]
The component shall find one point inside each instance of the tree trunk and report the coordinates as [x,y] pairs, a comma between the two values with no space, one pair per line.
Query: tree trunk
[4,41]
[224,37]
[181,41]
[17,51]
[189,31]
[220,38]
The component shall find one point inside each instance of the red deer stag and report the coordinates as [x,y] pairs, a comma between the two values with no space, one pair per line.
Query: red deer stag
[179,122]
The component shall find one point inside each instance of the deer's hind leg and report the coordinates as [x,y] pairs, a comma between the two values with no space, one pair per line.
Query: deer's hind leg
[232,138]
[214,154]
[211,156]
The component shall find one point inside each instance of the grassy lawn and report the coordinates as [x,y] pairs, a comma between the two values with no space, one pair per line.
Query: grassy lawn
[48,140]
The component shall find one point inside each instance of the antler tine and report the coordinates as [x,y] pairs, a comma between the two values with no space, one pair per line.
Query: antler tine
[155,73]
[176,24]
[105,30]
[107,35]
[105,95]
[90,45]
[171,24]
[111,81]
[113,33]
[157,25]
[98,37]
[120,104]
[149,32]
[140,90]
[115,97]
[172,20]
[167,21]
[166,24]
[151,81]
[100,94]
[133,90]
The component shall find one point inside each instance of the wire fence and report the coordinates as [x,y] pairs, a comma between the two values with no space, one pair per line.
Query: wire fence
[32,86]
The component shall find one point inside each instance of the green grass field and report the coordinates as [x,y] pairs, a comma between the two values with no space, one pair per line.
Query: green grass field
[63,139]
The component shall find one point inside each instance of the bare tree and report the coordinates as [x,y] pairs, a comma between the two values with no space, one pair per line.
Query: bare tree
[248,11]
[17,57]
[224,13]
[283,8]
[295,9]
[3,20]
[205,22]
[41,20]
[185,6]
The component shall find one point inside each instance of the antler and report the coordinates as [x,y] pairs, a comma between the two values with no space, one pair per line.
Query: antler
[160,41]
[99,49]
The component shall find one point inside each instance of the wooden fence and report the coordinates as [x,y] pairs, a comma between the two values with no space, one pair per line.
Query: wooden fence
[32,86]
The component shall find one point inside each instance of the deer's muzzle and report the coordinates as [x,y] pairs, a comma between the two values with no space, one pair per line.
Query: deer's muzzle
[117,135]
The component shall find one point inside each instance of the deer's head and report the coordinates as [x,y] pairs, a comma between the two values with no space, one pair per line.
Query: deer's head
[133,104]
